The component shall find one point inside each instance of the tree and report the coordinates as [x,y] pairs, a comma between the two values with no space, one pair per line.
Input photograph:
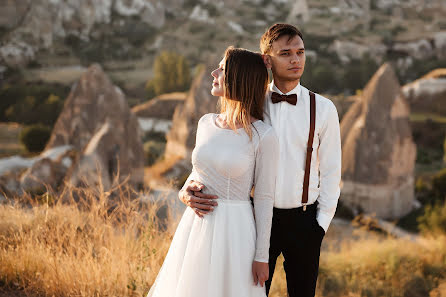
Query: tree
[358,72]
[171,74]
[35,137]
[444,151]
[439,184]
[433,220]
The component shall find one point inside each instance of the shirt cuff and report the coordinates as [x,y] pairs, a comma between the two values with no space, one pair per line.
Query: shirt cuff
[324,220]
[261,259]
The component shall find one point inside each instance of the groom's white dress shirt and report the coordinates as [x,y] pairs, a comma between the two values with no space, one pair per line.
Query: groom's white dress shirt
[292,124]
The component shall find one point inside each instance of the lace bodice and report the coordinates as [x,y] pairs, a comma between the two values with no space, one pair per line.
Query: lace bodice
[229,164]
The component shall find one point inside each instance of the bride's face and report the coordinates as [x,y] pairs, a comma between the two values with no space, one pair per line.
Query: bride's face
[218,83]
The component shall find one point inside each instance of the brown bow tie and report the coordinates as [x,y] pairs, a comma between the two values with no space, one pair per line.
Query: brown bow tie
[291,99]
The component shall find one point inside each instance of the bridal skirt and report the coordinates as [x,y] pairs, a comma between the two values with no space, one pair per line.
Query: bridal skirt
[211,256]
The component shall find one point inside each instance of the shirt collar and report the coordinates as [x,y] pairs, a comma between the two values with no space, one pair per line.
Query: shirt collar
[273,88]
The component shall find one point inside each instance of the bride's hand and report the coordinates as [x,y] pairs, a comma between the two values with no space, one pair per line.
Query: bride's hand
[260,272]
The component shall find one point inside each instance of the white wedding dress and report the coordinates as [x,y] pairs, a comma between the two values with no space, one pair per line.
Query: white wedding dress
[212,256]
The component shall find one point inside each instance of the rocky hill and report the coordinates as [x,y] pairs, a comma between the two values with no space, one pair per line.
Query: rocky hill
[428,93]
[378,152]
[127,34]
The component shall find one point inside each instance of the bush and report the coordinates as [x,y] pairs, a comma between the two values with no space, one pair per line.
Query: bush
[30,111]
[171,74]
[35,137]
[343,211]
[136,32]
[329,75]
[410,222]
[418,68]
[423,156]
[153,151]
[439,184]
[320,76]
[423,191]
[154,136]
[181,180]
[150,89]
[444,151]
[32,103]
[122,39]
[433,221]
[429,136]
[358,72]
[416,286]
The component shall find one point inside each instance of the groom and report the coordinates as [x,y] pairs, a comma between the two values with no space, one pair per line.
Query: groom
[309,169]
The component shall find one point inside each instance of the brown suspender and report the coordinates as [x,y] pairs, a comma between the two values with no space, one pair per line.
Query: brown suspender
[309,150]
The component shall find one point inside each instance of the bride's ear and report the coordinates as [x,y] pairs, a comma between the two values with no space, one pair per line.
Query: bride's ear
[267,60]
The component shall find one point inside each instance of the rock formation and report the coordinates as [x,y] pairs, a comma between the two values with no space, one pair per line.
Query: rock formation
[18,174]
[440,44]
[80,29]
[299,12]
[355,7]
[176,163]
[100,161]
[156,114]
[97,122]
[44,173]
[428,94]
[419,49]
[348,50]
[160,107]
[12,12]
[201,14]
[40,22]
[181,138]
[378,154]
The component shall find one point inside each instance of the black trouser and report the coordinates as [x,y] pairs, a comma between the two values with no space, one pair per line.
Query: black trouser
[297,235]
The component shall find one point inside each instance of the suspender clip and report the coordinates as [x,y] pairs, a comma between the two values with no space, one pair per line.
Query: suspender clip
[304,206]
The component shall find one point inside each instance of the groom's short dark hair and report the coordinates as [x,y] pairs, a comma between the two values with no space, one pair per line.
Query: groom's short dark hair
[275,32]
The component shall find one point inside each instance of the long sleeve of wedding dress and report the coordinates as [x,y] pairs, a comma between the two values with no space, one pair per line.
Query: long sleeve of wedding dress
[264,188]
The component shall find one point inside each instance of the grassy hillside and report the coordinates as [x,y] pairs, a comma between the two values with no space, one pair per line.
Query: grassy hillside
[107,245]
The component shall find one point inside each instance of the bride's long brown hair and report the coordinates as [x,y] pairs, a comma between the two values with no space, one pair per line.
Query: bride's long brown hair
[246,82]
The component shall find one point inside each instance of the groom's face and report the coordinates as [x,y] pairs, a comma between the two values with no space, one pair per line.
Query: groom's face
[287,58]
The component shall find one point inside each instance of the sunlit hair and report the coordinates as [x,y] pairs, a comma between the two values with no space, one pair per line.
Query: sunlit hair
[246,82]
[275,32]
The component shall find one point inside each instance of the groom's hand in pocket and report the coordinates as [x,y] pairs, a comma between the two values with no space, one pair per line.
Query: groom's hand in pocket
[193,197]
[260,272]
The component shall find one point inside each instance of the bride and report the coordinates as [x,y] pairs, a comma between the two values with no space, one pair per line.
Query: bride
[225,253]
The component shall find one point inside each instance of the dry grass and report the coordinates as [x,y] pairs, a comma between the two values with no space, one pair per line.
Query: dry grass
[387,267]
[97,249]
[107,244]
[370,267]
